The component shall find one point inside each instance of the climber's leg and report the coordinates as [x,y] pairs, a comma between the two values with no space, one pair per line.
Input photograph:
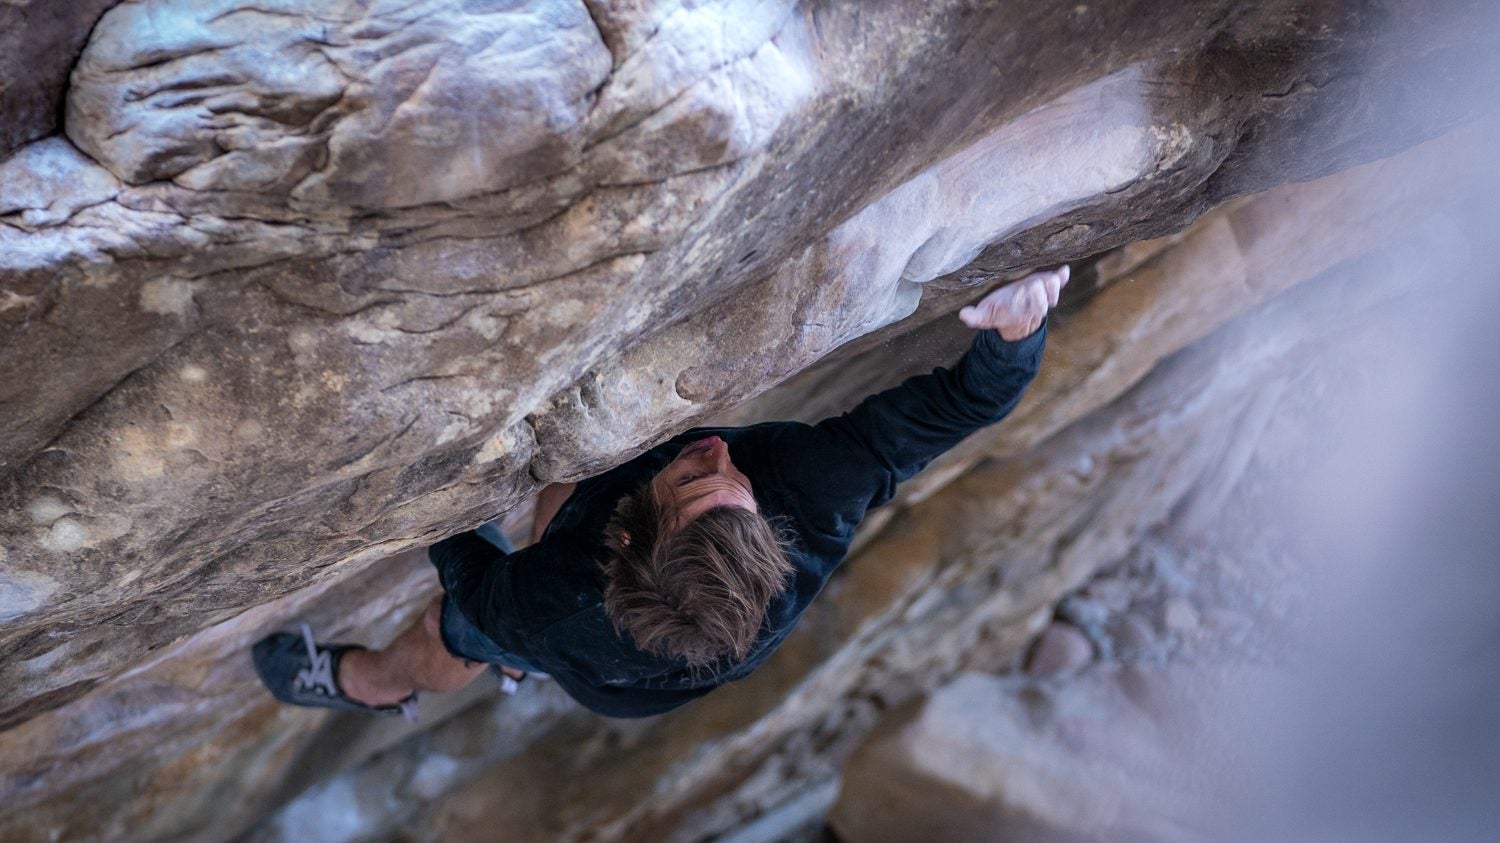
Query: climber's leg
[416,661]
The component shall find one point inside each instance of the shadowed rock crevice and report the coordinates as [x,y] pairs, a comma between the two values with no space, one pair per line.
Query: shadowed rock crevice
[40,42]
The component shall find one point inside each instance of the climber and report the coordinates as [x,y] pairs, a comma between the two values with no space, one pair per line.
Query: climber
[683,569]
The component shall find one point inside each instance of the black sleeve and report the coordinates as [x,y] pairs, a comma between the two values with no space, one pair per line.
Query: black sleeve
[845,465]
[477,575]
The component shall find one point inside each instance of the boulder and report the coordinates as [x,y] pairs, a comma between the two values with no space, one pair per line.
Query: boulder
[1112,756]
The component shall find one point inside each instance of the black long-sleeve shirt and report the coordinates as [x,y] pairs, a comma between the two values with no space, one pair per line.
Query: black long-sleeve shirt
[545,603]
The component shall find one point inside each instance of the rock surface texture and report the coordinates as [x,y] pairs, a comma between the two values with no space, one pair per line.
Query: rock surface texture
[290,290]
[992,759]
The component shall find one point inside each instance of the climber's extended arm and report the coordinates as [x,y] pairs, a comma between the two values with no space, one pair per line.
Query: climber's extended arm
[845,465]
[894,434]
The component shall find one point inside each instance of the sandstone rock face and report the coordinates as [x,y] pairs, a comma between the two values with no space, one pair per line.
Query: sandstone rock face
[936,591]
[397,263]
[302,287]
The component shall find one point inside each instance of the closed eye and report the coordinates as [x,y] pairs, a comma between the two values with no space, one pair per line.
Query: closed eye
[688,479]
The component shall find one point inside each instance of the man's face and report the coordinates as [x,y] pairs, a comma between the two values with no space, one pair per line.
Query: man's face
[699,479]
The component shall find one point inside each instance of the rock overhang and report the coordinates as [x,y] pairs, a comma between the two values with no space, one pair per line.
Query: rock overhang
[399,312]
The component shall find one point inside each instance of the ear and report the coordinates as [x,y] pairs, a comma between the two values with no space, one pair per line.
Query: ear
[624,539]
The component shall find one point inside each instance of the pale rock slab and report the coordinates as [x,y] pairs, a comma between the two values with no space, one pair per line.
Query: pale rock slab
[867,273]
[1108,756]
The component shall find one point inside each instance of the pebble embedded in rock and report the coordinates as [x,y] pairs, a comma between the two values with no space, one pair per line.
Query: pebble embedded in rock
[1062,647]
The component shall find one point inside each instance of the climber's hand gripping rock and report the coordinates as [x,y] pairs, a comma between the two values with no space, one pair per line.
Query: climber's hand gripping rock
[1017,309]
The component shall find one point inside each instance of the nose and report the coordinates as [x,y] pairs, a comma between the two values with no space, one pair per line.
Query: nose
[712,455]
[719,453]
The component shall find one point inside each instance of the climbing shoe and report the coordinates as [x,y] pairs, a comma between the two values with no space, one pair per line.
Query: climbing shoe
[299,671]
